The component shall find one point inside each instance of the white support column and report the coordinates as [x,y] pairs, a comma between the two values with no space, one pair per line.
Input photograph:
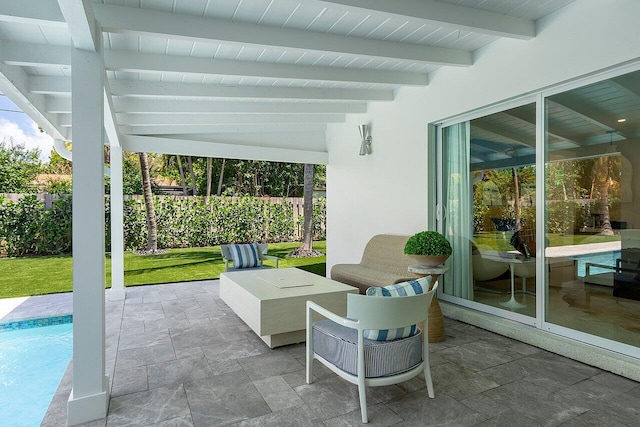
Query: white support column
[117,291]
[90,396]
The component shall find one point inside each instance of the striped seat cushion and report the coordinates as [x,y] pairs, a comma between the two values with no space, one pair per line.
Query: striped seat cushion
[245,256]
[411,287]
[339,345]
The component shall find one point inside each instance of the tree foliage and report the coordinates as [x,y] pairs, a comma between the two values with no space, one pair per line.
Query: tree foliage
[57,164]
[234,177]
[27,228]
[18,168]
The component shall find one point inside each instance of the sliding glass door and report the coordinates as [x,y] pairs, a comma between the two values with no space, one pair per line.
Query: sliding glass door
[593,208]
[488,204]
[571,265]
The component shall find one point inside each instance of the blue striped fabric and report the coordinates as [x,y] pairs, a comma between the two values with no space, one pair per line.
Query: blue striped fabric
[245,256]
[339,345]
[411,287]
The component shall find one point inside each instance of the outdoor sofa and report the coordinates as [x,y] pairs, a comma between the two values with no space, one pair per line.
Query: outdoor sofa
[383,263]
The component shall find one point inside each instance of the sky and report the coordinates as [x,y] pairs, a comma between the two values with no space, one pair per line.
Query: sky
[19,126]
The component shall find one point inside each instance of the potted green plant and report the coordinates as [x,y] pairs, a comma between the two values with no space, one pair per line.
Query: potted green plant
[428,248]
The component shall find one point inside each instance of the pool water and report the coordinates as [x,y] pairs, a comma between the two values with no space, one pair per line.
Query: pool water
[604,258]
[32,363]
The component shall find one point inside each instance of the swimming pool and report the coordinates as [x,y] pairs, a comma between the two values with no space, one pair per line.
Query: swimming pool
[33,359]
[604,258]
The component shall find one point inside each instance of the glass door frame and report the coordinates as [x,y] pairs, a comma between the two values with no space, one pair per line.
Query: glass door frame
[440,208]
[435,180]
[584,337]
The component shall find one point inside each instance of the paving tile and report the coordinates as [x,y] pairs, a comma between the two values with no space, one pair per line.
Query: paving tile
[418,409]
[178,371]
[165,324]
[224,399]
[143,339]
[179,357]
[225,366]
[57,413]
[197,312]
[414,384]
[226,318]
[184,421]
[131,299]
[378,415]
[620,406]
[140,356]
[148,407]
[201,322]
[195,336]
[290,417]
[330,397]
[596,418]
[480,355]
[549,384]
[616,382]
[178,306]
[160,296]
[189,352]
[131,326]
[127,381]
[459,382]
[509,419]
[42,306]
[151,311]
[277,393]
[506,373]
[536,402]
[270,364]
[297,378]
[235,349]
[484,405]
[635,392]
[559,368]
[231,332]
[295,350]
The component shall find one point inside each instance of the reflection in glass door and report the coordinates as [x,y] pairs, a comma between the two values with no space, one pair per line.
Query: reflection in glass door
[488,198]
[593,208]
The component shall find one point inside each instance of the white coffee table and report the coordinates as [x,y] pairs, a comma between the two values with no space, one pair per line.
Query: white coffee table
[272,301]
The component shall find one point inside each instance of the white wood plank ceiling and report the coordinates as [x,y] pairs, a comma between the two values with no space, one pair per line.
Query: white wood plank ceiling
[187,73]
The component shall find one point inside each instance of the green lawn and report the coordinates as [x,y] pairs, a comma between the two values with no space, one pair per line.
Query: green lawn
[500,242]
[47,275]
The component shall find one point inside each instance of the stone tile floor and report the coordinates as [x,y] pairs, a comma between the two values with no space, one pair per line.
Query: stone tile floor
[178,356]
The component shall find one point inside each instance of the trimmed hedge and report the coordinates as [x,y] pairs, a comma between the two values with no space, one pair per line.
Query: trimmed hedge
[27,228]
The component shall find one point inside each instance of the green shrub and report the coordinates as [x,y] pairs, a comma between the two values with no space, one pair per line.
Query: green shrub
[428,243]
[27,228]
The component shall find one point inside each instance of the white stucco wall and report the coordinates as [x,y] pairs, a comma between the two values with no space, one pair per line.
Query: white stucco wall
[387,192]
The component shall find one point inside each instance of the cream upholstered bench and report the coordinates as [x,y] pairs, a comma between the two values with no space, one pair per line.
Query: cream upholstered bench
[383,263]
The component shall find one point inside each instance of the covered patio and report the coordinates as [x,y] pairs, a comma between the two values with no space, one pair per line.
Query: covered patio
[290,81]
[179,356]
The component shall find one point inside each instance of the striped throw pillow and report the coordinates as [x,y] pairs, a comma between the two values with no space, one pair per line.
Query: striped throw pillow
[245,256]
[411,287]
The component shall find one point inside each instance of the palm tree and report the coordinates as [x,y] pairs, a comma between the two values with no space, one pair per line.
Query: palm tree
[193,176]
[602,180]
[307,237]
[219,192]
[209,173]
[152,226]
[306,249]
[181,171]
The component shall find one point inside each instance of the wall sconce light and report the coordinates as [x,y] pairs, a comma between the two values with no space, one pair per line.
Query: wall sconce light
[365,134]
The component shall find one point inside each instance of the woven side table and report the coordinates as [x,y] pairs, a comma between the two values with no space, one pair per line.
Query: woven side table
[436,320]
